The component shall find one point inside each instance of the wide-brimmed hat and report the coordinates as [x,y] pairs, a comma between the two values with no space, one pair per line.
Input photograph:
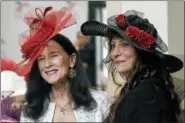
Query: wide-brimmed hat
[134,36]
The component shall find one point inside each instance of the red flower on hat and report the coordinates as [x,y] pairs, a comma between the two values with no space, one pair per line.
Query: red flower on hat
[140,37]
[120,19]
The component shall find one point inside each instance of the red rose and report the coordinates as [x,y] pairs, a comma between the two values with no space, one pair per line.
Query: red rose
[140,37]
[145,40]
[120,19]
[133,33]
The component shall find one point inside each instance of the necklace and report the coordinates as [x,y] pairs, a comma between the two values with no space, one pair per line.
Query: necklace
[63,109]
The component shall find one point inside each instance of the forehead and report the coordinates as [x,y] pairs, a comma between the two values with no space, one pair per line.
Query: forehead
[53,46]
[118,39]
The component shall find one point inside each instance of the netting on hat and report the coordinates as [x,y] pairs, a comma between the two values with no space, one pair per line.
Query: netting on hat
[44,23]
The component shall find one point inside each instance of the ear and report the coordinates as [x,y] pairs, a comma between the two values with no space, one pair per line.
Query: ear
[72,60]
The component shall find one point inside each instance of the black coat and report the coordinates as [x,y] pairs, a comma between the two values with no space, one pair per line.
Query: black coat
[147,103]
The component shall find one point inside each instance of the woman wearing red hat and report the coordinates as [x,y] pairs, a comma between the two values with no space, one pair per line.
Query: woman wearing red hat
[136,52]
[57,87]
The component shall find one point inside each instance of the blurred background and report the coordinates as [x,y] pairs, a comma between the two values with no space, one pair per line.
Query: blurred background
[167,17]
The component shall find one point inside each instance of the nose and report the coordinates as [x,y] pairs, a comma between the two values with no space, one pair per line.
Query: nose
[116,52]
[47,63]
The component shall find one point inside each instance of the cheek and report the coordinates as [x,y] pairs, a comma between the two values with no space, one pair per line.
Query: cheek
[131,59]
[132,62]
[111,55]
[58,61]
[61,63]
[129,53]
[41,65]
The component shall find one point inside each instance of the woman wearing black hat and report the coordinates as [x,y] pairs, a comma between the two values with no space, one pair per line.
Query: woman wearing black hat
[136,53]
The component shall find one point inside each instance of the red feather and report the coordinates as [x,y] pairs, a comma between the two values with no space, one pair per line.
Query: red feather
[7,64]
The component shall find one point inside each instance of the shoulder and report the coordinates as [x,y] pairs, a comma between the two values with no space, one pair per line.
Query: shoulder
[147,88]
[147,93]
[103,102]
[101,96]
[144,103]
[47,117]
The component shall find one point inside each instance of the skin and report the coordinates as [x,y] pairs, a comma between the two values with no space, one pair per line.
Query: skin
[123,56]
[54,65]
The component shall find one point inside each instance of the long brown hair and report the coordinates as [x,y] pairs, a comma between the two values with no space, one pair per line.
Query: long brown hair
[147,66]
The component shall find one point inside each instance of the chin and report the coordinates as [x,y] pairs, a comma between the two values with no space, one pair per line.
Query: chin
[121,70]
[52,81]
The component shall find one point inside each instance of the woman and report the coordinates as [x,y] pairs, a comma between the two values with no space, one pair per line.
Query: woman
[57,87]
[136,53]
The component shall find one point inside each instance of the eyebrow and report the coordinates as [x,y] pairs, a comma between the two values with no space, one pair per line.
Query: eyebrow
[52,52]
[112,41]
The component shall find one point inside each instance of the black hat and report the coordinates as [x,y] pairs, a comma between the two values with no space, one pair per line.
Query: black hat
[134,36]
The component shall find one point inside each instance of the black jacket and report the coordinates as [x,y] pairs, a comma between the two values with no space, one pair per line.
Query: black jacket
[147,103]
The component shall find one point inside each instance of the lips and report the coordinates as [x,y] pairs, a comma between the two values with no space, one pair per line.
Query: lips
[119,62]
[50,72]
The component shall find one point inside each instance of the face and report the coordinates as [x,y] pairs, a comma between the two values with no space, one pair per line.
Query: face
[54,63]
[83,40]
[122,55]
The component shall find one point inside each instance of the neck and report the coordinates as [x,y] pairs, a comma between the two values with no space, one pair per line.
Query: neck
[125,76]
[60,90]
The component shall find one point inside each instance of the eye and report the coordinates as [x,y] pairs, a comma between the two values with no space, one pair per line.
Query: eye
[125,44]
[54,55]
[112,46]
[40,58]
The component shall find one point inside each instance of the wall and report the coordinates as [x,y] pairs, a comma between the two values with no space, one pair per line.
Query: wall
[176,32]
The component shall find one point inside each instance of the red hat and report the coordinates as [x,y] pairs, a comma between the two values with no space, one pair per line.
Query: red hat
[44,24]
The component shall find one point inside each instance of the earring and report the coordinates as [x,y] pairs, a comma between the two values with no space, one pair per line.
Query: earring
[72,73]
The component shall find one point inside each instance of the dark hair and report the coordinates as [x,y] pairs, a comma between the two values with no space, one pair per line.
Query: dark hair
[37,95]
[148,66]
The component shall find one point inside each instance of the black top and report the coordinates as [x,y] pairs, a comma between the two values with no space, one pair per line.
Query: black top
[146,103]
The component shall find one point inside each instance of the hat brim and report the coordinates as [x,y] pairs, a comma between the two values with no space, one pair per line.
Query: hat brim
[100,29]
[95,28]
[19,92]
[18,95]
[172,63]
